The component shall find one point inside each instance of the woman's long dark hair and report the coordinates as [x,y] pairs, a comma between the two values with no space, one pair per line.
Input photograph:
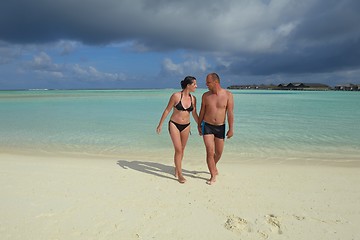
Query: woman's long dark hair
[187,80]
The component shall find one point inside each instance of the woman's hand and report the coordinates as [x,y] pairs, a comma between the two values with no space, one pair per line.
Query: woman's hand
[158,129]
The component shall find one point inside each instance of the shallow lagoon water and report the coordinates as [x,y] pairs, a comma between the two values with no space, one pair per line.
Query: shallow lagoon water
[269,125]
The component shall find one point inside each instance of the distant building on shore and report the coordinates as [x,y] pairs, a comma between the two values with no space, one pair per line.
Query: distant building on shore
[253,86]
[304,86]
[288,86]
[347,87]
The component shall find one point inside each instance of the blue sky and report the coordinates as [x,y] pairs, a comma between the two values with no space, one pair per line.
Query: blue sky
[155,43]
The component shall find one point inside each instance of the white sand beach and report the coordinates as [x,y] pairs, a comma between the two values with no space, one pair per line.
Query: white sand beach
[73,198]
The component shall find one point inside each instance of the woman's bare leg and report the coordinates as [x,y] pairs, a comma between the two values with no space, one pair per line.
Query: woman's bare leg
[179,141]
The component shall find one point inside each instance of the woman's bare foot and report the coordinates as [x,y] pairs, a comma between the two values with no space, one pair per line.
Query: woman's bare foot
[181,179]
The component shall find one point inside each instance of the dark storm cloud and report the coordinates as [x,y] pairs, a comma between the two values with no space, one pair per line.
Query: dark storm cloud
[330,21]
[327,39]
[268,36]
[100,22]
[320,59]
[38,21]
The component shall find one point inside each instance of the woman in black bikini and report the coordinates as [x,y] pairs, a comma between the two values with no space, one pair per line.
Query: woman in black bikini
[182,103]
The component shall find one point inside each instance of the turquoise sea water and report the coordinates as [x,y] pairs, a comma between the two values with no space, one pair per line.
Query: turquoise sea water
[269,125]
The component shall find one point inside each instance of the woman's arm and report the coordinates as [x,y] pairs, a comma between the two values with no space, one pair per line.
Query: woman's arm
[168,108]
[194,112]
[201,114]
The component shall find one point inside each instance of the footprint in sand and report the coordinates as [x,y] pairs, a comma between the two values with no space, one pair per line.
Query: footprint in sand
[237,224]
[263,235]
[300,218]
[274,222]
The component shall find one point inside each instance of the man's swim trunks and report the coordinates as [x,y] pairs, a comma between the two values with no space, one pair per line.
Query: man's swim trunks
[217,130]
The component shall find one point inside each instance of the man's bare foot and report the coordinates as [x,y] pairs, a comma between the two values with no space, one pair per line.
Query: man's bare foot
[211,181]
[181,179]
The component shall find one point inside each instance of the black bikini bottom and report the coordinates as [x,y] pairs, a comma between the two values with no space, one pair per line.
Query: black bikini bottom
[179,126]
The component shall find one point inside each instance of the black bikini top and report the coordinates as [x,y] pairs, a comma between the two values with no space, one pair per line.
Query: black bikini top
[180,107]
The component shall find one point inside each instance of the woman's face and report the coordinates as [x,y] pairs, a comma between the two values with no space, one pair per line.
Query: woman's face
[192,87]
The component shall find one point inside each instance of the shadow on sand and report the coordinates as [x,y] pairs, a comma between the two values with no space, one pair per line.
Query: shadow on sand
[158,169]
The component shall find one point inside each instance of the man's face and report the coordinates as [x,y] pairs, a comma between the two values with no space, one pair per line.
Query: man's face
[210,82]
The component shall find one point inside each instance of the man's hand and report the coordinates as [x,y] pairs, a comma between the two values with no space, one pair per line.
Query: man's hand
[229,133]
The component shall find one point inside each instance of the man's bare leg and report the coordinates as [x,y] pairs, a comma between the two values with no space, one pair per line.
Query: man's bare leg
[210,157]
[219,147]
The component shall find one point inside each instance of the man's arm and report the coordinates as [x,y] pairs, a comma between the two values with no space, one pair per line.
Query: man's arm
[230,115]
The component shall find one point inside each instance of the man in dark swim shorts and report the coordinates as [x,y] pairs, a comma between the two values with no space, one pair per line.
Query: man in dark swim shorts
[217,105]
[217,130]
